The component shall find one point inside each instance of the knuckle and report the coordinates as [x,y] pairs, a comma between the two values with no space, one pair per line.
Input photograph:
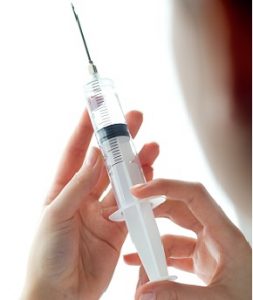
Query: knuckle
[147,169]
[159,180]
[167,238]
[196,226]
[199,188]
[51,213]
[238,238]
[199,191]
[80,178]
[168,294]
[161,183]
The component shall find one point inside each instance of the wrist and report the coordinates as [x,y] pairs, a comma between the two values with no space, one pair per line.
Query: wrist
[42,291]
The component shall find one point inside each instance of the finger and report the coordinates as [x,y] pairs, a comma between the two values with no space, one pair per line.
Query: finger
[78,189]
[76,149]
[174,247]
[106,212]
[73,156]
[134,120]
[148,172]
[143,277]
[178,246]
[184,264]
[179,213]
[147,156]
[172,290]
[195,196]
[101,184]
[109,200]
[132,259]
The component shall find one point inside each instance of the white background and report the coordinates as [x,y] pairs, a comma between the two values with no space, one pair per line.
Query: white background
[42,73]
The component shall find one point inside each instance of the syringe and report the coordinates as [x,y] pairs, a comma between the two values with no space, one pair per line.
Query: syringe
[124,170]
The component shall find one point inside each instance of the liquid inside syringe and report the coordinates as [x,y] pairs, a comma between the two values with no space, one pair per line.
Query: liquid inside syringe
[114,139]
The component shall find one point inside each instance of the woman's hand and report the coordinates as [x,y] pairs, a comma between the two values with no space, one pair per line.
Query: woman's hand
[219,255]
[76,248]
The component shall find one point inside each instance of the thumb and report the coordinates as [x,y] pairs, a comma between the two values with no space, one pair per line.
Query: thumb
[168,290]
[79,187]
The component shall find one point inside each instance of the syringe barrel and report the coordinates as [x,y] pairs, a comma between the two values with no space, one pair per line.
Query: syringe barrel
[114,139]
[124,170]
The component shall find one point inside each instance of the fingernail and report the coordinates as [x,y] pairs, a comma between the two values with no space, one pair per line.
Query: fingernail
[138,186]
[149,296]
[92,157]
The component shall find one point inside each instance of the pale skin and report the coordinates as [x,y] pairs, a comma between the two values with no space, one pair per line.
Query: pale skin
[220,255]
[77,247]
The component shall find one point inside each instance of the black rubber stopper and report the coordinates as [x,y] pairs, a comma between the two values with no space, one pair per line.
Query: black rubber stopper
[112,131]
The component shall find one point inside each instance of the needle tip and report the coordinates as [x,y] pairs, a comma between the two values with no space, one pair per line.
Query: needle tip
[73,8]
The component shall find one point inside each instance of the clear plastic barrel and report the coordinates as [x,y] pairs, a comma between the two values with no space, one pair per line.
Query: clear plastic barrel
[114,139]
[103,103]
